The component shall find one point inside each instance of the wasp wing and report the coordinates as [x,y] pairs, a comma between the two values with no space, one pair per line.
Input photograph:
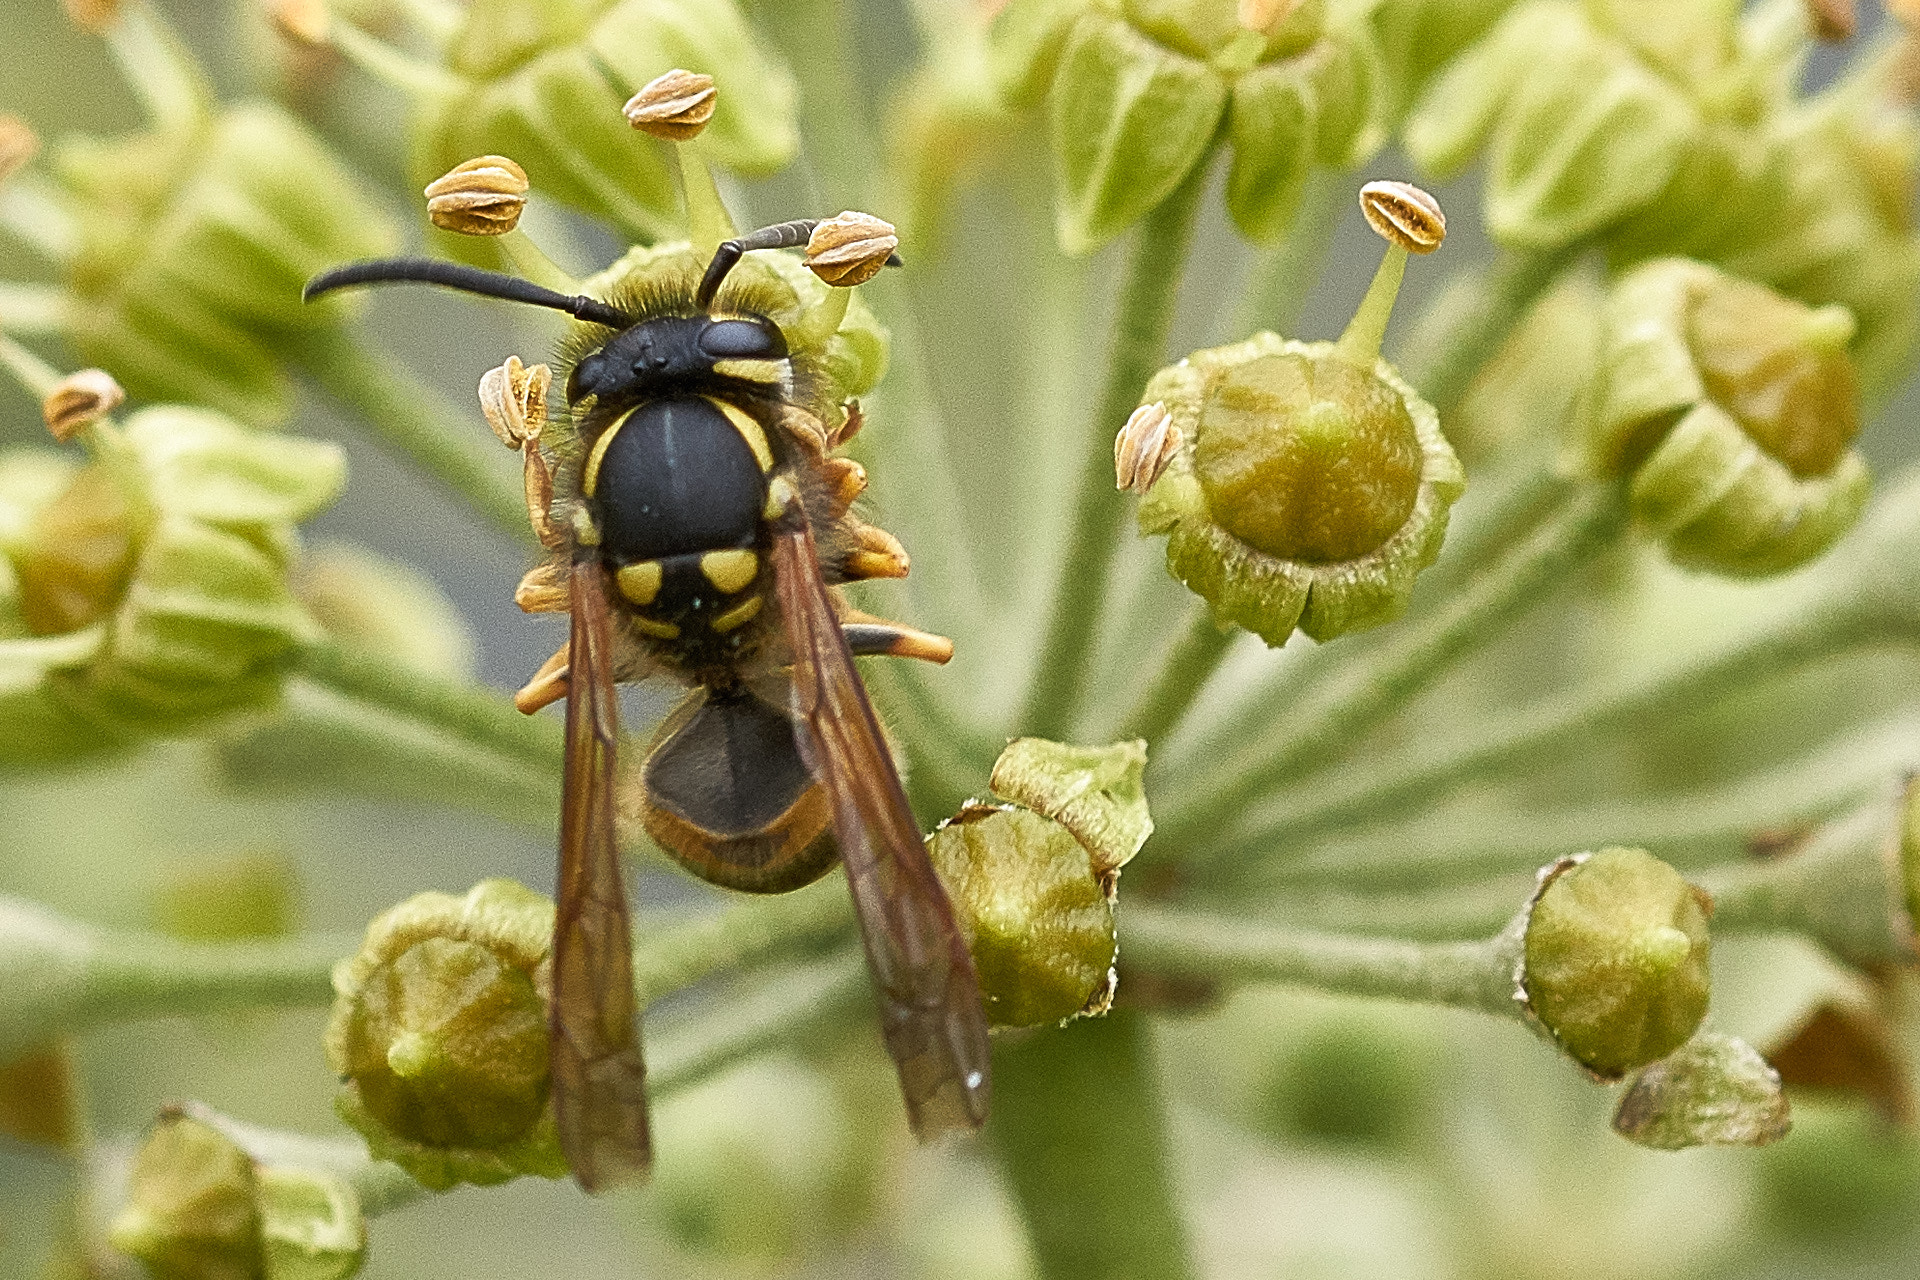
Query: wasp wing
[930,1008]
[599,1079]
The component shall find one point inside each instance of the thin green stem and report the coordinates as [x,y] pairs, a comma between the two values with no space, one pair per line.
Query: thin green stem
[683,1053]
[675,957]
[418,421]
[1319,730]
[1471,318]
[168,80]
[1475,975]
[1196,653]
[36,213]
[35,310]
[29,370]
[1145,317]
[1080,1129]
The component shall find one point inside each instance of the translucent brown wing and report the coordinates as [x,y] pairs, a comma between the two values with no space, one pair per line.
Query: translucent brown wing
[599,1080]
[929,996]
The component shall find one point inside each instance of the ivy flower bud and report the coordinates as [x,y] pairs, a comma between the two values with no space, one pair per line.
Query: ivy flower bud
[1615,964]
[481,197]
[1732,409]
[675,106]
[1033,884]
[18,145]
[80,400]
[193,1211]
[850,249]
[1712,1091]
[440,1032]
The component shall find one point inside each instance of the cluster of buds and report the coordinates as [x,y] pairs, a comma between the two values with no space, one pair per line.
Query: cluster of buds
[1137,93]
[1300,484]
[199,1205]
[148,589]
[1034,881]
[1732,409]
[439,1034]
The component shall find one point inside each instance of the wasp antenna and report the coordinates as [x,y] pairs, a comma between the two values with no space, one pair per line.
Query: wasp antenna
[782,235]
[451,275]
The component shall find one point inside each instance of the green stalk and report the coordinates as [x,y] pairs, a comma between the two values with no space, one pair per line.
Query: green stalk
[416,420]
[1080,1129]
[1463,328]
[683,1053]
[1145,316]
[1317,732]
[1195,654]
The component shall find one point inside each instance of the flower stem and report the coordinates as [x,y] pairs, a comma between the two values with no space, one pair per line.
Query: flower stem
[416,420]
[1196,653]
[168,81]
[677,956]
[1475,975]
[1141,326]
[34,310]
[1322,727]
[1463,328]
[1079,1126]
[681,1053]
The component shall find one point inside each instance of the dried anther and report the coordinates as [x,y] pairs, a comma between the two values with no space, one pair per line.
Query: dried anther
[1144,447]
[514,399]
[1264,15]
[1833,20]
[675,106]
[18,144]
[93,15]
[483,197]
[80,400]
[850,249]
[302,21]
[1403,214]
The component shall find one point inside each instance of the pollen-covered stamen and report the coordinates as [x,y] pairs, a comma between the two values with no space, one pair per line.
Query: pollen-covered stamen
[484,196]
[80,400]
[1264,15]
[514,399]
[93,15]
[850,249]
[1144,447]
[18,145]
[1402,214]
[675,106]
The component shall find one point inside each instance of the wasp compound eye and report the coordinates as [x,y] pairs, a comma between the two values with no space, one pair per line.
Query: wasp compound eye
[742,340]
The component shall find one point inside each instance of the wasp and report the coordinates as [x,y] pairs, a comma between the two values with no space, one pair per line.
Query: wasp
[698,523]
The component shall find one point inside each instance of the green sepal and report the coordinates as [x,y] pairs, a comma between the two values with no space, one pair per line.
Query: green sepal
[310,1225]
[1098,793]
[1714,1090]
[1416,38]
[1315,107]
[1129,121]
[1024,44]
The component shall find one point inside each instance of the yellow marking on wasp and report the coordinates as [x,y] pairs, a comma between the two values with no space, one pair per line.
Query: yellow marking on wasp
[640,583]
[738,616]
[591,479]
[658,630]
[780,495]
[750,431]
[730,571]
[771,371]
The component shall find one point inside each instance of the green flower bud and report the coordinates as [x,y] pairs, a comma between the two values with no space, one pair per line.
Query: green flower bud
[193,250]
[1615,964]
[1732,409]
[193,1211]
[1034,888]
[151,591]
[363,598]
[440,1033]
[1308,491]
[1713,1091]
[223,898]
[311,1225]
[1416,38]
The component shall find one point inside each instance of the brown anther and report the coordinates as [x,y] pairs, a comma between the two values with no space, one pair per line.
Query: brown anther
[483,197]
[675,106]
[1264,15]
[514,399]
[1403,214]
[1833,20]
[1144,447]
[18,144]
[543,590]
[850,249]
[548,686]
[301,21]
[879,555]
[846,480]
[93,15]
[80,400]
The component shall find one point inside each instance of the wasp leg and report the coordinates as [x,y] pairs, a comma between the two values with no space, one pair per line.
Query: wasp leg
[543,590]
[846,480]
[877,554]
[850,426]
[867,634]
[538,479]
[548,686]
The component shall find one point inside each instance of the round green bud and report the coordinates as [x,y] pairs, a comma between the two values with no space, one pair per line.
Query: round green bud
[1616,959]
[364,598]
[1307,492]
[1733,409]
[192,1210]
[439,1030]
[1713,1091]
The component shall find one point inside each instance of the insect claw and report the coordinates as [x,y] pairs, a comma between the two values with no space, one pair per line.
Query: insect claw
[543,590]
[879,555]
[548,686]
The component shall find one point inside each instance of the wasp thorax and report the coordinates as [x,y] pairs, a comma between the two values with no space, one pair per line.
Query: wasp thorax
[1308,460]
[440,1033]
